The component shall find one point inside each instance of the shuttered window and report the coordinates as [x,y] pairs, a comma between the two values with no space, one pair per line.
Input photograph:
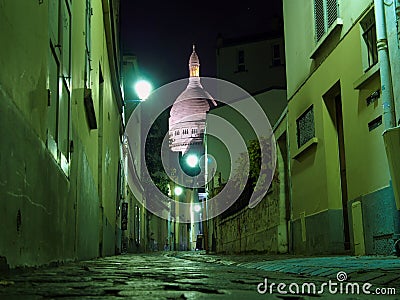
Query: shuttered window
[59,83]
[325,15]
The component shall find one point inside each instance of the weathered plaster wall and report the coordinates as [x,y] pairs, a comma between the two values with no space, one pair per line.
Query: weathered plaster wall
[50,215]
[262,228]
[339,65]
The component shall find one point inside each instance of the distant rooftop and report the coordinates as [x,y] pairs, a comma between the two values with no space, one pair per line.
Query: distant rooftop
[246,39]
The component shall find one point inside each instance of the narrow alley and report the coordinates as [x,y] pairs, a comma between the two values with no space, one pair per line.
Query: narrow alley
[152,150]
[195,275]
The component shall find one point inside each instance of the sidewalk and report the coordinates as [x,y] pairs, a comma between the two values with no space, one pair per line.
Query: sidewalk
[377,270]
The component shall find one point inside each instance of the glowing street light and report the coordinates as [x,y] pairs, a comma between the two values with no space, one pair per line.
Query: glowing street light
[192,160]
[178,191]
[197,207]
[143,89]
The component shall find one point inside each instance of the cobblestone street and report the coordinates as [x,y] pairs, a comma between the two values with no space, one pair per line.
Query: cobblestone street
[171,276]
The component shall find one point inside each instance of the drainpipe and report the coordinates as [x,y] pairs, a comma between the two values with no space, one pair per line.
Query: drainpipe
[384,65]
[396,58]
[391,134]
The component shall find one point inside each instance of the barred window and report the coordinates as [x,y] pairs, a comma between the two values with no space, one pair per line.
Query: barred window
[305,127]
[369,49]
[325,15]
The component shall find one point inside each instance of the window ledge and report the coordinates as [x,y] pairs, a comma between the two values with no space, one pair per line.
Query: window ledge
[336,25]
[364,78]
[312,142]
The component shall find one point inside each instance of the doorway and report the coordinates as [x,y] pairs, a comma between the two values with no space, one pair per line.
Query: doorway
[342,168]
[333,102]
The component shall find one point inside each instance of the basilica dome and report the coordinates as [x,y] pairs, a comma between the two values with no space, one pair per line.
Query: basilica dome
[188,114]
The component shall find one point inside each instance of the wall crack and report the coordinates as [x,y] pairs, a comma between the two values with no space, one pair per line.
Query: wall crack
[30,201]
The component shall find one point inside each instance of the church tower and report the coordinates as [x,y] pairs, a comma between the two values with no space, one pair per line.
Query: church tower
[187,120]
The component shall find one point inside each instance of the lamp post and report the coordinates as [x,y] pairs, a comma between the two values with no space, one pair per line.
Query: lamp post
[142,89]
[191,162]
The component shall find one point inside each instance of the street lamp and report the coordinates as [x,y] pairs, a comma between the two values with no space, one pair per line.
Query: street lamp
[178,191]
[143,89]
[192,160]
[197,207]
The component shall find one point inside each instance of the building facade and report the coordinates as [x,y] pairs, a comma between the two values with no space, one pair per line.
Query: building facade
[256,64]
[60,118]
[141,230]
[341,194]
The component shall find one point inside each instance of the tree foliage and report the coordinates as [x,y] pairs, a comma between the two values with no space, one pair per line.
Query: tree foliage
[252,160]
[154,164]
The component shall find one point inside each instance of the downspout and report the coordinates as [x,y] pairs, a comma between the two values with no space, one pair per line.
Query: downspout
[396,70]
[391,134]
[384,65]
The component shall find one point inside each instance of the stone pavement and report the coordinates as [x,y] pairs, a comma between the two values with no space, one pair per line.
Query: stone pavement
[192,275]
[377,270]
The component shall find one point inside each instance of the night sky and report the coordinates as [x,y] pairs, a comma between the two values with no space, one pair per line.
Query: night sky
[161,33]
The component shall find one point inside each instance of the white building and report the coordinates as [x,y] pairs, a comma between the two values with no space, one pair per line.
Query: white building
[187,120]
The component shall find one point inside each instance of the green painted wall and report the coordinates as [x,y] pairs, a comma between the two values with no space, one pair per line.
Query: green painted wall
[365,157]
[338,67]
[48,215]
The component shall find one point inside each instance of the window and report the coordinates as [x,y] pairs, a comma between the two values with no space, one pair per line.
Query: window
[370,52]
[52,102]
[305,127]
[65,25]
[276,55]
[375,123]
[241,67]
[325,15]
[59,83]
